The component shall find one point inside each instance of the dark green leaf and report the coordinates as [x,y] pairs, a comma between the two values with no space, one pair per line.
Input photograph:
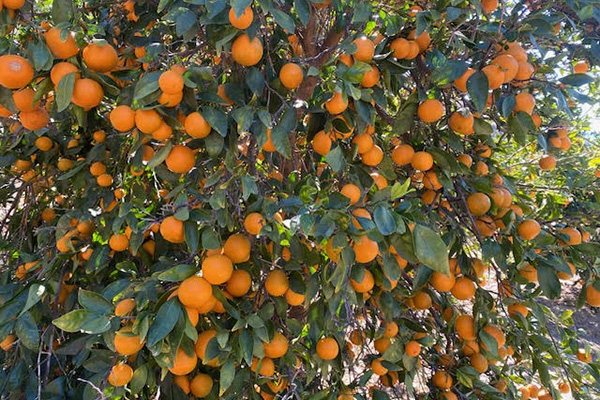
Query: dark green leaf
[72,321]
[164,322]
[217,119]
[548,281]
[226,377]
[178,273]
[577,79]
[478,88]
[430,249]
[94,302]
[335,159]
[384,219]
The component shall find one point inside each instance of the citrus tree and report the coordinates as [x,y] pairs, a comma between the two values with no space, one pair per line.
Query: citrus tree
[298,199]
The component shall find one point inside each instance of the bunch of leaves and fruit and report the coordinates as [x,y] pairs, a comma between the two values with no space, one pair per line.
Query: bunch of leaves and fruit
[298,199]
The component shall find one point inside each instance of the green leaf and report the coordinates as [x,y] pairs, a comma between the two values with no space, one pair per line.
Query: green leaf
[139,379]
[401,189]
[255,80]
[27,332]
[284,20]
[94,302]
[246,345]
[335,159]
[577,79]
[145,86]
[478,88]
[72,321]
[160,156]
[192,235]
[164,322]
[430,249]
[239,6]
[185,21]
[217,119]
[302,8]
[36,292]
[6,99]
[178,273]
[405,117]
[280,133]
[226,377]
[40,56]
[214,144]
[548,281]
[62,11]
[210,239]
[384,219]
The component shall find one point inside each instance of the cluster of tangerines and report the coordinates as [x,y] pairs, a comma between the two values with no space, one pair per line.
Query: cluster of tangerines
[224,267]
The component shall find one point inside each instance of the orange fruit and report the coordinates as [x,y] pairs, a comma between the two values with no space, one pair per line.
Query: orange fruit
[321,143]
[327,348]
[370,78]
[253,223]
[237,248]
[524,102]
[496,333]
[183,363]
[243,21]
[291,76]
[276,283]
[16,72]
[422,161]
[592,296]
[478,203]
[529,273]
[268,146]
[239,283]
[277,347]
[525,71]
[246,52]
[147,121]
[462,124]
[352,192]
[217,269]
[293,298]
[13,4]
[365,49]
[202,343]
[529,229]
[170,82]
[412,348]
[573,234]
[581,67]
[163,132]
[365,285]
[463,288]
[403,154]
[118,242]
[337,104]
[194,292]
[442,380]
[378,368]
[365,249]
[518,308]
[181,159]
[100,57]
[87,93]
[442,282]
[104,180]
[7,343]
[431,110]
[461,82]
[363,142]
[124,307]
[172,230]
[23,99]
[373,157]
[489,6]
[547,162]
[120,374]
[63,49]
[127,343]
[196,126]
[494,74]
[34,120]
[509,65]
[400,48]
[479,362]
[422,300]
[267,367]
[122,118]
[201,385]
